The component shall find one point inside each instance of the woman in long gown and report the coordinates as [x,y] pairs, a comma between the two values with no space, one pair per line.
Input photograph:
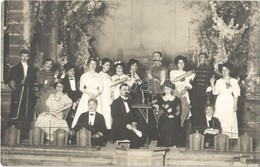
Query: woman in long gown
[106,96]
[46,79]
[228,90]
[52,118]
[169,123]
[91,85]
[181,79]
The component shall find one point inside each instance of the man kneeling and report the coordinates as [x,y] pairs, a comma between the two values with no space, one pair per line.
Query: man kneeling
[124,126]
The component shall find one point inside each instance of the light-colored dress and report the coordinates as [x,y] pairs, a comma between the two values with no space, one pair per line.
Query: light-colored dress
[224,106]
[50,122]
[106,98]
[93,83]
[115,78]
[180,85]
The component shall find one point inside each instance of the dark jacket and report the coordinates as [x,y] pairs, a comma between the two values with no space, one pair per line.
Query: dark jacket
[22,98]
[74,95]
[120,119]
[99,126]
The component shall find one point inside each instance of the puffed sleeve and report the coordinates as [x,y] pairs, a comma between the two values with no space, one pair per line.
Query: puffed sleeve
[173,75]
[82,83]
[217,87]
[235,87]
[49,101]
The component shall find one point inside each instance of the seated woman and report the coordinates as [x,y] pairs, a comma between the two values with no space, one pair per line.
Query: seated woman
[169,123]
[53,118]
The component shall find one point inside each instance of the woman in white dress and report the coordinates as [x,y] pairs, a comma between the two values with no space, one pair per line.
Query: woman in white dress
[181,79]
[106,96]
[52,119]
[91,85]
[228,90]
[119,78]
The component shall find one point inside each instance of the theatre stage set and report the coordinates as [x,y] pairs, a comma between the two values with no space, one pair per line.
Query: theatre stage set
[172,27]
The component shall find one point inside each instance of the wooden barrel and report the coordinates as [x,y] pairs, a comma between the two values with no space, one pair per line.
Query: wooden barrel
[83,137]
[221,142]
[196,141]
[12,136]
[36,136]
[60,137]
[245,143]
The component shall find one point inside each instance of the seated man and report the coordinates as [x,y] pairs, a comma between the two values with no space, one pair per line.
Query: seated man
[211,126]
[93,121]
[124,126]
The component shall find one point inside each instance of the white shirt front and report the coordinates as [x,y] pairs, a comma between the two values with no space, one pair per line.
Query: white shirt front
[208,119]
[127,109]
[72,83]
[25,68]
[91,118]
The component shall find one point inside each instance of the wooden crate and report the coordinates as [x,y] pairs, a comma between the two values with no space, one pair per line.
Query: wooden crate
[138,157]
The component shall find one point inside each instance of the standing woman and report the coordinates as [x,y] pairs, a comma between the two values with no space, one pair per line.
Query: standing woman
[91,85]
[228,90]
[181,79]
[118,78]
[135,81]
[106,96]
[46,78]
[169,123]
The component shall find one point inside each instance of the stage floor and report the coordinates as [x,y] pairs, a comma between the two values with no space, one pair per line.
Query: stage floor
[72,155]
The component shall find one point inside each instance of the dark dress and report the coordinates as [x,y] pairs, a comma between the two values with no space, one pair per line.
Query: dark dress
[169,128]
[46,80]
[22,98]
[99,126]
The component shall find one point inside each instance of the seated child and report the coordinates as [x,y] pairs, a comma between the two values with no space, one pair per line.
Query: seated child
[211,126]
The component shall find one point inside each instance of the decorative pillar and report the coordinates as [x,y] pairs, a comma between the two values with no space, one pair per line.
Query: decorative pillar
[53,40]
[253,77]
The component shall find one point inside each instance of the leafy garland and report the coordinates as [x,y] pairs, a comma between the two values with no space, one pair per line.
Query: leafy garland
[224,35]
[80,25]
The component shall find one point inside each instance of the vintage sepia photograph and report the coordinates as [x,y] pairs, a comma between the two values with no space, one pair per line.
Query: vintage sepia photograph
[130,83]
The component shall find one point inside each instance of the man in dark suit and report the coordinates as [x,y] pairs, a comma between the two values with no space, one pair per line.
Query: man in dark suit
[93,121]
[71,82]
[210,125]
[124,124]
[21,80]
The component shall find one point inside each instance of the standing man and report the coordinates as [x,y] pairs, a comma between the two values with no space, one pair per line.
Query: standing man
[158,73]
[124,126]
[199,94]
[21,80]
[71,82]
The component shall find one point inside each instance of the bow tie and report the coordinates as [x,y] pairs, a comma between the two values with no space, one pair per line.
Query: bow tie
[91,114]
[71,78]
[125,100]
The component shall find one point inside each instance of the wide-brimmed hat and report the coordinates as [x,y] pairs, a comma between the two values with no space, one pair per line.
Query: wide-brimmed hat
[228,65]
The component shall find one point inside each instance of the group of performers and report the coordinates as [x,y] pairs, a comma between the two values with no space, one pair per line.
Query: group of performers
[103,102]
